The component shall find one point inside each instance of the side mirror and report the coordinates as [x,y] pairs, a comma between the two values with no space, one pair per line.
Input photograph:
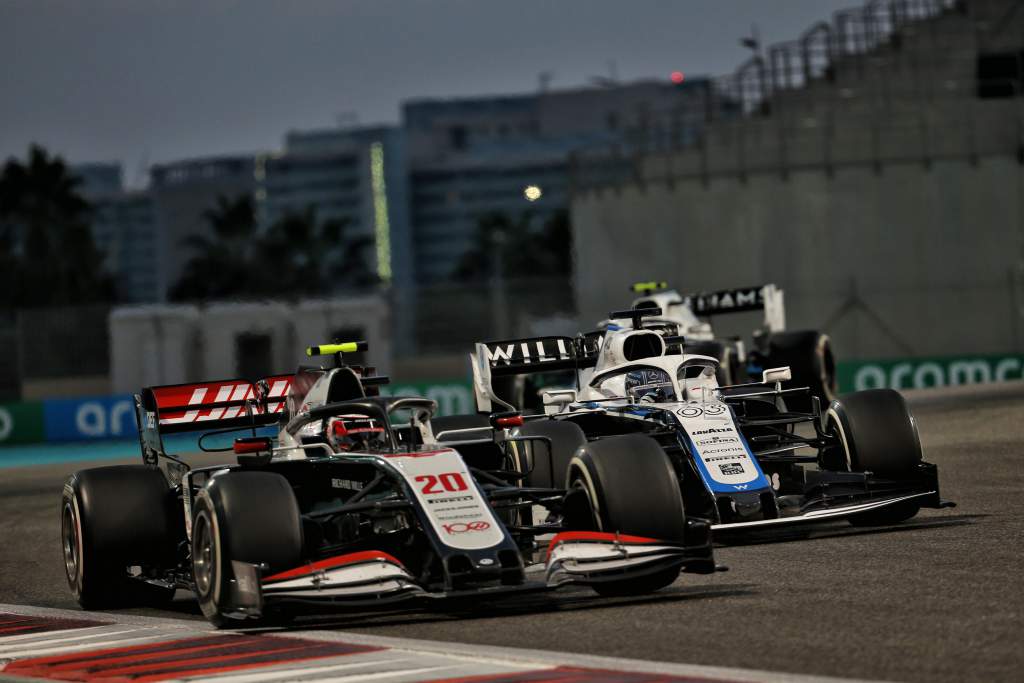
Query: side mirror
[771,375]
[253,451]
[555,399]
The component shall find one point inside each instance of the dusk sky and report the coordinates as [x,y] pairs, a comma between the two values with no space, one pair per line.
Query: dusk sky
[148,81]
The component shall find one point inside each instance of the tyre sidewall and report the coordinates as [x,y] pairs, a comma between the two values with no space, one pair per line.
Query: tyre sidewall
[121,517]
[251,517]
[212,602]
[876,431]
[632,487]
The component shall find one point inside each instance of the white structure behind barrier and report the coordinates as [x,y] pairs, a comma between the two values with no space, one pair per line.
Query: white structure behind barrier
[170,344]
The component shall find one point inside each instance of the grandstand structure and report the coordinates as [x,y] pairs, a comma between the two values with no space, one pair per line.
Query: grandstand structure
[873,167]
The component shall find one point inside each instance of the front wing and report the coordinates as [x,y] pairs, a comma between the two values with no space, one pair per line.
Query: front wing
[370,578]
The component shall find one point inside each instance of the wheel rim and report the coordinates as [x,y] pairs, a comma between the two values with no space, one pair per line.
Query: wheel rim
[202,555]
[69,541]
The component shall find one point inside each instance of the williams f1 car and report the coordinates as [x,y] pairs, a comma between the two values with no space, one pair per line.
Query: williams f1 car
[807,353]
[353,503]
[732,454]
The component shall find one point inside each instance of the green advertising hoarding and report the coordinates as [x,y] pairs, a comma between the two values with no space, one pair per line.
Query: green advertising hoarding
[21,423]
[453,396]
[935,371]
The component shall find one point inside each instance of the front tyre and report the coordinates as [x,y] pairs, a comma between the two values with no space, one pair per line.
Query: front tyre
[249,517]
[876,433]
[631,488]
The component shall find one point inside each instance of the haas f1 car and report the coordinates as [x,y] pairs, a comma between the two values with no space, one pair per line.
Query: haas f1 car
[733,454]
[354,502]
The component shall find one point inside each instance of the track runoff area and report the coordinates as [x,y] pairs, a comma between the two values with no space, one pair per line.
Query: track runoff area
[935,599]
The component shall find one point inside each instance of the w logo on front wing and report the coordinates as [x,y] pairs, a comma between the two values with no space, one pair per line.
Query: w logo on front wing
[741,487]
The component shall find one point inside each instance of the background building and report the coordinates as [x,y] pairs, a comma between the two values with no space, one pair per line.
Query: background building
[470,157]
[876,175]
[181,192]
[124,229]
[356,175]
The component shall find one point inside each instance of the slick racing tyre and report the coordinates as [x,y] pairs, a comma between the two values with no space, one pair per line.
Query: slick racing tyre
[249,517]
[810,358]
[631,488]
[722,352]
[876,433]
[113,518]
[547,462]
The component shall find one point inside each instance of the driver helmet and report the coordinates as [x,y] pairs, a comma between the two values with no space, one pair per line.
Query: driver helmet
[649,385]
[356,433]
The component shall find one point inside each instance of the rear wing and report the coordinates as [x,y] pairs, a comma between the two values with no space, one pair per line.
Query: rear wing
[207,406]
[527,356]
[768,298]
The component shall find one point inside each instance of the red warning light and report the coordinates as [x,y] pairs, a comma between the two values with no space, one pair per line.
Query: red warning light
[678,77]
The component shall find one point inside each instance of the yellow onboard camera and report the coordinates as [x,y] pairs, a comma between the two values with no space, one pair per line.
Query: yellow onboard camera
[648,287]
[331,349]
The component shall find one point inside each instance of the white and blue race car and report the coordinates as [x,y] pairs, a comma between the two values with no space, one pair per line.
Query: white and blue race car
[731,454]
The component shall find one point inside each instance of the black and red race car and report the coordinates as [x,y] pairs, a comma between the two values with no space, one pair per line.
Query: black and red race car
[351,500]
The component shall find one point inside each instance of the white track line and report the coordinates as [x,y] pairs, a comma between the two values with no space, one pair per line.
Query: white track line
[49,634]
[315,673]
[5,645]
[249,677]
[61,649]
[515,659]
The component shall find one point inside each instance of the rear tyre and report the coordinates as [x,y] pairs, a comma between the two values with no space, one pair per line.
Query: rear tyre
[547,467]
[249,517]
[722,352]
[876,433]
[811,360]
[631,488]
[112,518]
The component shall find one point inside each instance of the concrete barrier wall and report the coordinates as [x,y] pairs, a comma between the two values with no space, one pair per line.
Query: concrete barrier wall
[910,260]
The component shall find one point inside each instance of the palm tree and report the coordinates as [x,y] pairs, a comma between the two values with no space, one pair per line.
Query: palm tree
[519,249]
[228,260]
[318,257]
[296,256]
[46,244]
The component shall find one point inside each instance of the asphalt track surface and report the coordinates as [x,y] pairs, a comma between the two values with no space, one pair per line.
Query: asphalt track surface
[938,598]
